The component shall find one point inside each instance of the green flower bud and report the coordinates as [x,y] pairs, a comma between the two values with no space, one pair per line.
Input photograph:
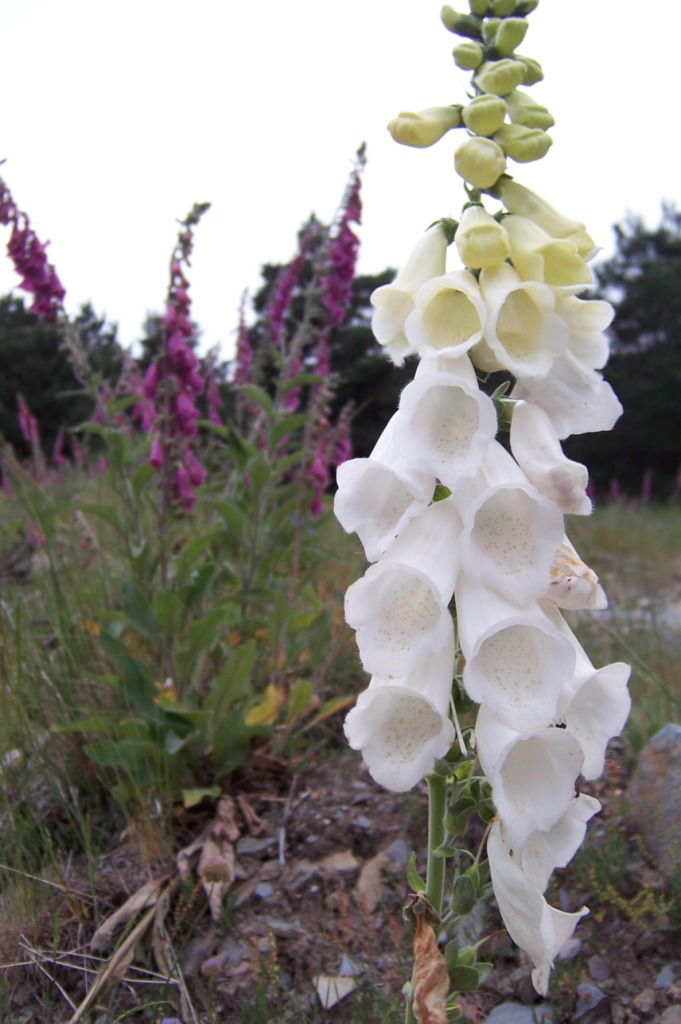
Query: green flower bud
[533,70]
[485,114]
[489,29]
[510,34]
[469,55]
[480,162]
[424,128]
[502,8]
[461,24]
[523,144]
[479,7]
[481,240]
[500,76]
[523,110]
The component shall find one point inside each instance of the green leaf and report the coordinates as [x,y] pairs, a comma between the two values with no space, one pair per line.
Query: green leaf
[259,472]
[286,426]
[416,883]
[192,797]
[300,701]
[234,681]
[464,979]
[136,682]
[141,478]
[140,613]
[302,380]
[258,396]
[168,608]
[104,512]
[464,897]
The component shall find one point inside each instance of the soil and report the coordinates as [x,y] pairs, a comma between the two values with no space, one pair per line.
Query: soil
[319,855]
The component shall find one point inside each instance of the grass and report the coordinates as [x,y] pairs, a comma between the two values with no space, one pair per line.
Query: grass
[57,818]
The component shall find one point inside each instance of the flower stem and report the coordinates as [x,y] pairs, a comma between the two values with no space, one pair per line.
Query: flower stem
[435,867]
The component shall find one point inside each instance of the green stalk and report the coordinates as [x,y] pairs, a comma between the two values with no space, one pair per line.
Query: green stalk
[435,869]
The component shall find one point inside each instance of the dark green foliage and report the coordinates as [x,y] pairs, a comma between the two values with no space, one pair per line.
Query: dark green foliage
[36,366]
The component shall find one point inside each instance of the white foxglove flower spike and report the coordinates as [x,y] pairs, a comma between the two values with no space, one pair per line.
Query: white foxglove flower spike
[537,451]
[586,320]
[394,302]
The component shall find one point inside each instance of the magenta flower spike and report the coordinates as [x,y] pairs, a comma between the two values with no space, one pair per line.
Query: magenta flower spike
[30,260]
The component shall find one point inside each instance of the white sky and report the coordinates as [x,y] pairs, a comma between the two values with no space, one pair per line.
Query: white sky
[118,116]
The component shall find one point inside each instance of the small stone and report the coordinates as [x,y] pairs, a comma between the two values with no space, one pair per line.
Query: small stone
[514,1013]
[588,997]
[655,797]
[282,928]
[598,969]
[644,1002]
[672,1015]
[397,852]
[263,891]
[665,978]
[364,823]
[348,967]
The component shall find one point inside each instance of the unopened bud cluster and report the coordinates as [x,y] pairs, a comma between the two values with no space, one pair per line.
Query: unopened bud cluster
[502,119]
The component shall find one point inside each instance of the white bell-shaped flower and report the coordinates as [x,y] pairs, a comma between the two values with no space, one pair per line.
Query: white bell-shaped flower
[538,452]
[524,334]
[517,661]
[574,585]
[445,425]
[538,928]
[537,256]
[400,606]
[378,496]
[522,201]
[532,774]
[577,399]
[402,726]
[586,321]
[449,315]
[510,531]
[545,851]
[394,302]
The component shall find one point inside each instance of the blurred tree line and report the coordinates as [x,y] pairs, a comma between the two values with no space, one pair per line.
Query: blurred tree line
[642,280]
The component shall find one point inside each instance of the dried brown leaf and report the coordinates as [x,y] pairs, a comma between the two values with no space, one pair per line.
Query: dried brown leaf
[368,888]
[431,979]
[145,897]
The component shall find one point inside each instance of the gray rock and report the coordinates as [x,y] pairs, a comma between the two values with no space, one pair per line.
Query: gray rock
[598,969]
[249,844]
[655,798]
[665,978]
[588,998]
[514,1013]
[672,1015]
[397,852]
[263,890]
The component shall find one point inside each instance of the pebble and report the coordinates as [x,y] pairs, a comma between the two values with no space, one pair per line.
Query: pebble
[644,1002]
[397,852]
[249,844]
[655,797]
[263,890]
[514,1013]
[363,822]
[665,978]
[672,1015]
[588,997]
[598,969]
